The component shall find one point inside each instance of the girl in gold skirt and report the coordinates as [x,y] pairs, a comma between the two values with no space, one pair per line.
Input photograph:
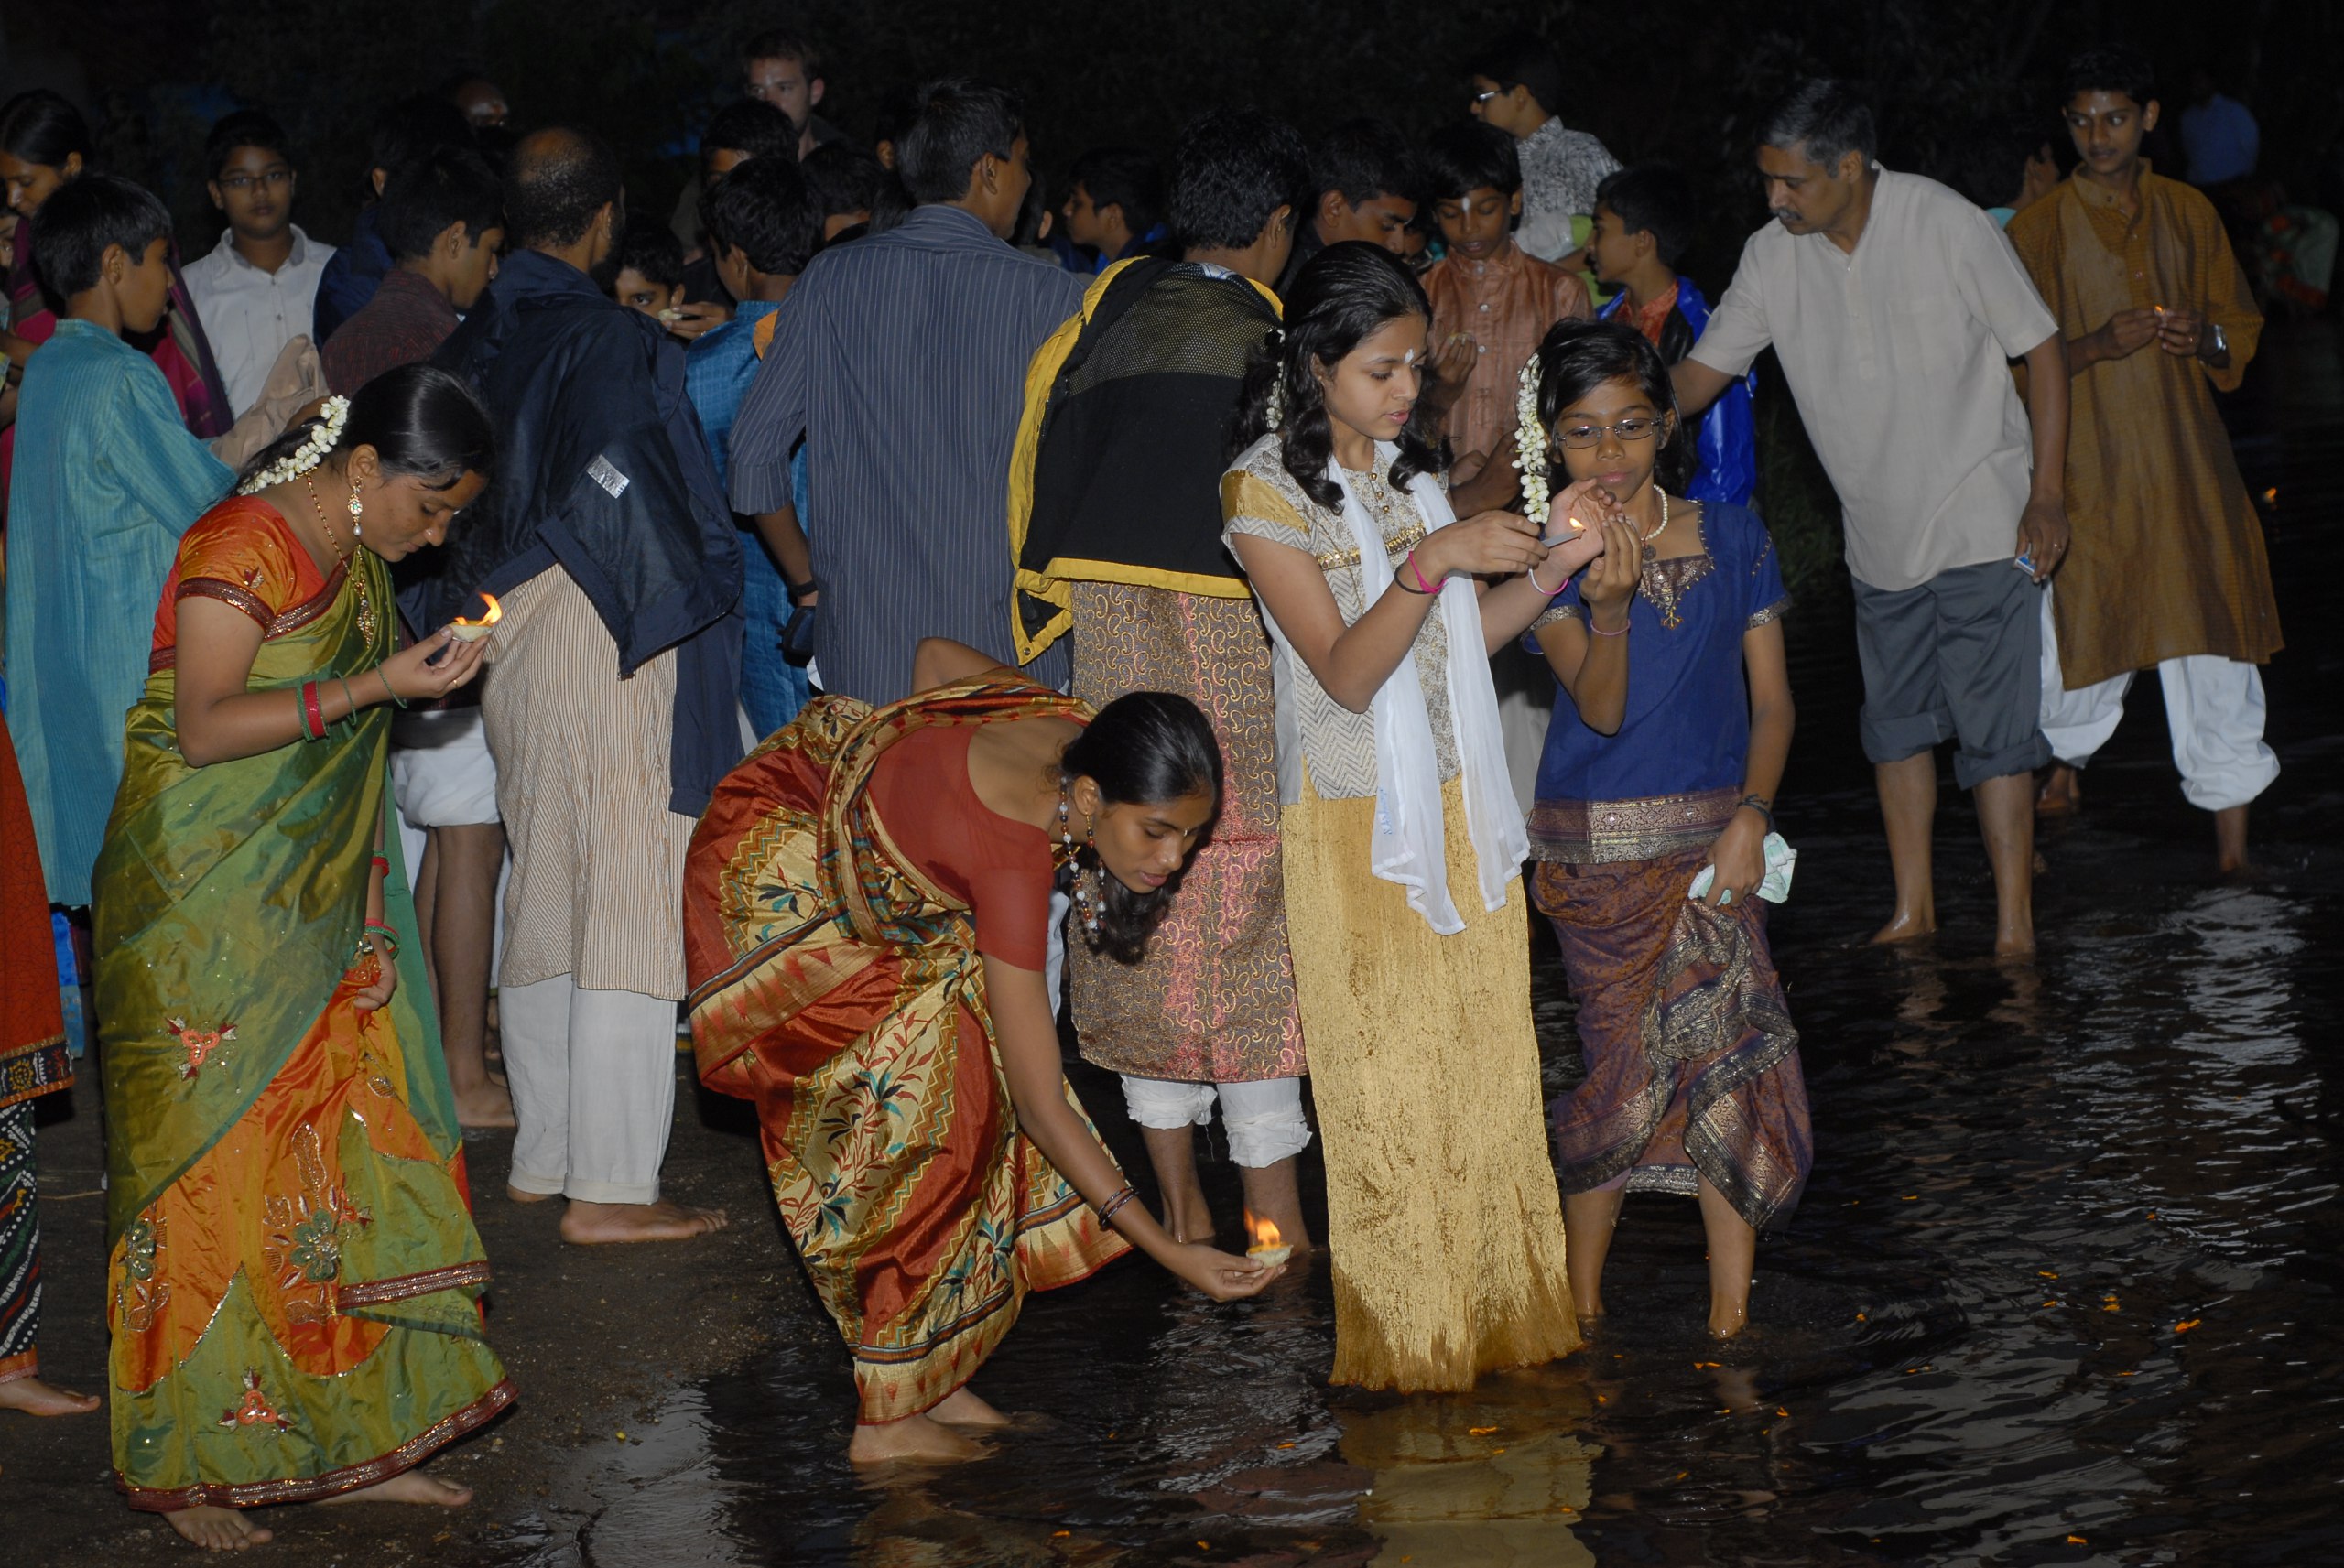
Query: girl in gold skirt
[1444,1222]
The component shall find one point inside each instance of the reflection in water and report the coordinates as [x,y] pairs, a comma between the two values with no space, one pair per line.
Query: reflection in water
[2063,1288]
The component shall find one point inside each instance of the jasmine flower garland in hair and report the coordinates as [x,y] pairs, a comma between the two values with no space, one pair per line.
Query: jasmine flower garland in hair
[1530,447]
[333,414]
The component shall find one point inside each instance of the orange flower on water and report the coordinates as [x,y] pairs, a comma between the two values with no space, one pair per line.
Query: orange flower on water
[2185,1325]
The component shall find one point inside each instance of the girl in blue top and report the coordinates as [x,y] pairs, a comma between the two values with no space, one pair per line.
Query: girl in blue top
[1668,739]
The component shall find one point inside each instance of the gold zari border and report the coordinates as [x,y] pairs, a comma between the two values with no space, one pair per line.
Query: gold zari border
[1601,832]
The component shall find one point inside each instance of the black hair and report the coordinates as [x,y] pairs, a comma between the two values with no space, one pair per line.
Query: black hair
[1989,160]
[74,226]
[779,43]
[413,129]
[419,419]
[1824,120]
[1463,158]
[1233,168]
[1343,295]
[840,178]
[244,128]
[41,128]
[2111,68]
[1653,199]
[752,126]
[425,198]
[1364,160]
[891,119]
[959,121]
[557,181]
[763,210]
[1144,748]
[649,246]
[1521,58]
[1128,177]
[1577,357]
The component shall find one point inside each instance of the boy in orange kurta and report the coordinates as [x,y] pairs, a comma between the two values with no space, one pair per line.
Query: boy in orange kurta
[2167,567]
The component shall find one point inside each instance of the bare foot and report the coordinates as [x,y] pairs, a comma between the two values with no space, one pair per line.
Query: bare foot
[2062,794]
[484,1105]
[962,1408]
[914,1439]
[1905,926]
[34,1397]
[409,1486]
[1728,1318]
[518,1195]
[600,1224]
[216,1530]
[2015,946]
[2230,842]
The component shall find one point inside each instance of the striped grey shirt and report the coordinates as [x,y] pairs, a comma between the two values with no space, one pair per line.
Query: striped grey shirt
[901,358]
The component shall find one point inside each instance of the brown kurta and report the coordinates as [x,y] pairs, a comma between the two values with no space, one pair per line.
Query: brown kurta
[1213,1000]
[2168,559]
[1506,306]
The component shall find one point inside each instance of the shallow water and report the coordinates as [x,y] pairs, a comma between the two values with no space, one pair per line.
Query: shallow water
[2063,1288]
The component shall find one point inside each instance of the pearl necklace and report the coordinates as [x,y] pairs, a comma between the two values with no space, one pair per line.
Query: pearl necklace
[1656,532]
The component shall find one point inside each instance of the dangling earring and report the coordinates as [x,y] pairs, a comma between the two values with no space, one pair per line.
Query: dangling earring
[357,509]
[1087,902]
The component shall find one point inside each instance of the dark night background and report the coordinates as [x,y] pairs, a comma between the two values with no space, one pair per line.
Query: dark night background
[1961,87]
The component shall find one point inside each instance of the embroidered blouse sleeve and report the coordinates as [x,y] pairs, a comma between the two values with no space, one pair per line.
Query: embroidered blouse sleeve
[237,561]
[1764,598]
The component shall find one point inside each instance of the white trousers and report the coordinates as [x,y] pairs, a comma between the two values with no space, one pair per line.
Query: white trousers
[2213,706]
[594,1078]
[1263,1119]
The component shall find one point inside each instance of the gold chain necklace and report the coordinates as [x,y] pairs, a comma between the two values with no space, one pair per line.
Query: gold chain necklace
[365,600]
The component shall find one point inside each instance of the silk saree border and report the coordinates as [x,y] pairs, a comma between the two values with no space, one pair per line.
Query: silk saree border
[1604,832]
[333,1483]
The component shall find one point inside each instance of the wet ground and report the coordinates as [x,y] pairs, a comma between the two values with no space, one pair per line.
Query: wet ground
[2064,1287]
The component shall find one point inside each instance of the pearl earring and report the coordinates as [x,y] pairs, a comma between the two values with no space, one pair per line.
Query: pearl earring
[357,509]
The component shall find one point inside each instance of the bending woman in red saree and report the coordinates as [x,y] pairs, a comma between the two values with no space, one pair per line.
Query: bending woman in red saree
[866,914]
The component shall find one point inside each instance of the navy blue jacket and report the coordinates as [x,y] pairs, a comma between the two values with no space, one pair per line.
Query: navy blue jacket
[601,468]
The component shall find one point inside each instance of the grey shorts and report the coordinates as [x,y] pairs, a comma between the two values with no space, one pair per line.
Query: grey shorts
[1958,658]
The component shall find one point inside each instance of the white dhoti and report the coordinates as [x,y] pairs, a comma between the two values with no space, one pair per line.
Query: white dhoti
[2214,706]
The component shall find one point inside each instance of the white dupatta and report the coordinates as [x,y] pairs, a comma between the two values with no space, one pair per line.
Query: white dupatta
[1411,843]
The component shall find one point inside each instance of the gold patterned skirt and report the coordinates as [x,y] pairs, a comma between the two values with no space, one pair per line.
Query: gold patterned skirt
[1213,1000]
[1443,1216]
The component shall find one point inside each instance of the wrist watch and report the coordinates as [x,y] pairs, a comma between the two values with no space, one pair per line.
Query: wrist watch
[2217,343]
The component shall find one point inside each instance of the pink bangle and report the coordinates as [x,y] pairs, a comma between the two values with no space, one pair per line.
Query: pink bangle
[1533,575]
[1598,630]
[1422,586]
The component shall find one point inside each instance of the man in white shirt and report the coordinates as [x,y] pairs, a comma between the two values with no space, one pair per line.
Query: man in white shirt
[254,291]
[1895,306]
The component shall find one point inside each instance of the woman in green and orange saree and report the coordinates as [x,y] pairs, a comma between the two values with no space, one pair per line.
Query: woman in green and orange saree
[294,1279]
[866,920]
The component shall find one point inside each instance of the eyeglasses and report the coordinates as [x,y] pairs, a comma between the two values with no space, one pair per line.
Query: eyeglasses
[1480,98]
[1578,437]
[240,183]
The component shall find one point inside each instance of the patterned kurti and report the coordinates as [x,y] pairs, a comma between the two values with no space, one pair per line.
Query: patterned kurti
[2168,559]
[1213,1000]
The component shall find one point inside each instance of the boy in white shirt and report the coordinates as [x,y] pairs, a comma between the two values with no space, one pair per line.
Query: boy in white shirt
[255,292]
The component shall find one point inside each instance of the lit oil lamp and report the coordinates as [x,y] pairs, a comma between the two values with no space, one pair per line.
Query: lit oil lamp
[473,631]
[1266,1249]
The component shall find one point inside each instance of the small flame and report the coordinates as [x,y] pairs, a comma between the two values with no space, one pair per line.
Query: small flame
[1263,1232]
[495,613]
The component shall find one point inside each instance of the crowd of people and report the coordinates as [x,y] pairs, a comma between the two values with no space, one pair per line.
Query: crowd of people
[870,609]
